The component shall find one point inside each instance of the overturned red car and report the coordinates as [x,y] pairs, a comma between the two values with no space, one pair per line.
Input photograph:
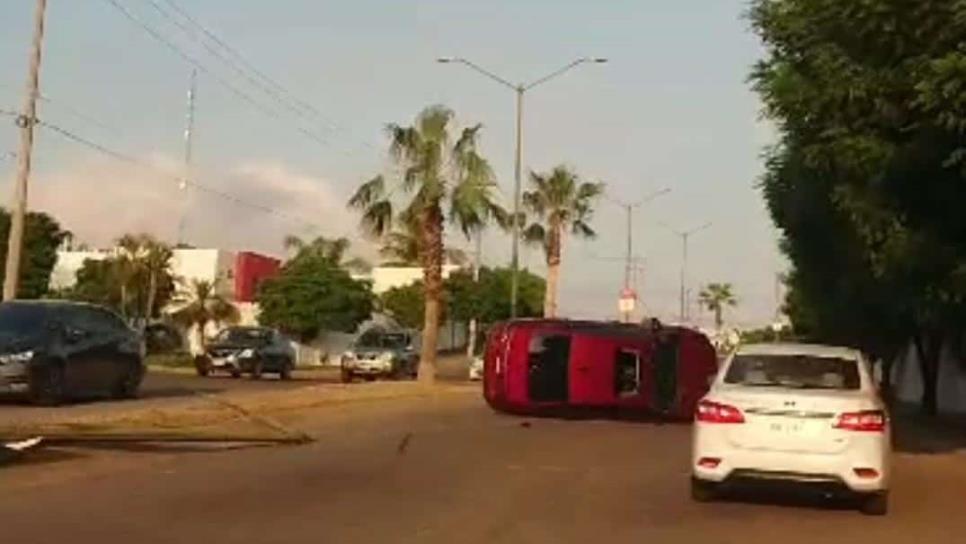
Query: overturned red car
[553,366]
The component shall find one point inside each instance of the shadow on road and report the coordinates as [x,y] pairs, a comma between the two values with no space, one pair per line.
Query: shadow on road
[787,498]
[916,433]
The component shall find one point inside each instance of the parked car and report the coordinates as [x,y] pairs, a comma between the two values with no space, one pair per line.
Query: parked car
[798,415]
[54,351]
[252,350]
[380,354]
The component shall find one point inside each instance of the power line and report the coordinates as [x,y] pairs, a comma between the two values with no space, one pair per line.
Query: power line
[254,70]
[199,186]
[229,62]
[201,67]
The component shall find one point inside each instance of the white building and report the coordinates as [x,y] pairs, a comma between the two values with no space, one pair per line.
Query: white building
[384,278]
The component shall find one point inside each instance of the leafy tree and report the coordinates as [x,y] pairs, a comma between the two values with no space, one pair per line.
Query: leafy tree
[715,297]
[561,202]
[334,250]
[488,300]
[441,177]
[42,237]
[406,304]
[311,294]
[872,116]
[199,303]
[137,281]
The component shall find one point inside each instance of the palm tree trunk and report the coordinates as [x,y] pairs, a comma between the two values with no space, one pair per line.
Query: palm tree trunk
[718,321]
[152,295]
[553,273]
[432,257]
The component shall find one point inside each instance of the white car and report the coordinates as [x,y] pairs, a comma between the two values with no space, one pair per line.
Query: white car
[797,414]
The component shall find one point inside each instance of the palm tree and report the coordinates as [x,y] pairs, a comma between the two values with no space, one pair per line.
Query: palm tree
[440,180]
[400,247]
[561,202]
[333,250]
[198,304]
[714,297]
[141,263]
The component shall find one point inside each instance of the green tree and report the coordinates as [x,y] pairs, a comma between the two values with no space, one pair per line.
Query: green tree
[199,303]
[442,178]
[715,297]
[561,203]
[42,237]
[334,250]
[137,281]
[488,299]
[406,304]
[872,116]
[311,294]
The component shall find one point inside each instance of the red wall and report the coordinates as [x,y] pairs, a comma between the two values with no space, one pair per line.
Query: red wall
[250,270]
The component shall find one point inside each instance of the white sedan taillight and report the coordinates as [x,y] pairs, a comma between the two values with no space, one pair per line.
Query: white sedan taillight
[871,421]
[716,412]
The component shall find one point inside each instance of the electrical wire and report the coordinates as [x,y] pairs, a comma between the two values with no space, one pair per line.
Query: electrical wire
[191,183]
[157,36]
[303,105]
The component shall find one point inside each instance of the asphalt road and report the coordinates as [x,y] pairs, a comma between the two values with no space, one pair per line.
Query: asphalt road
[162,388]
[445,470]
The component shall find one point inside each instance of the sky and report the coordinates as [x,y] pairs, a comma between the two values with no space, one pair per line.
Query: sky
[671,109]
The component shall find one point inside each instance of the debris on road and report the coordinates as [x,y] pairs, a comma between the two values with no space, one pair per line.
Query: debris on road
[404,443]
[11,451]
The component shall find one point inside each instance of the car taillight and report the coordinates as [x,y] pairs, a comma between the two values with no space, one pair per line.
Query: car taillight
[716,412]
[871,421]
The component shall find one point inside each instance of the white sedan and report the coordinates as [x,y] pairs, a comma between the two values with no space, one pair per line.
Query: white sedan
[794,414]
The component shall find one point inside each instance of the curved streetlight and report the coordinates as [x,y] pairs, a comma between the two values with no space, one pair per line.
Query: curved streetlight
[685,235]
[519,89]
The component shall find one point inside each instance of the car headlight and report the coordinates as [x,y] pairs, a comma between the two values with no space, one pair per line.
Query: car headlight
[246,353]
[21,357]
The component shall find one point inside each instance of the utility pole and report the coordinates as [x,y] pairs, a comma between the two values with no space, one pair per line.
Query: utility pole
[517,172]
[477,258]
[26,122]
[685,236]
[189,130]
[630,264]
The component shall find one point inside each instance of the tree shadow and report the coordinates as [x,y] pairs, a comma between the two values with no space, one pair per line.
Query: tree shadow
[913,432]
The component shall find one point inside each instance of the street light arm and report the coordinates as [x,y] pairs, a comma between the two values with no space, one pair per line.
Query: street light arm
[655,194]
[485,72]
[556,73]
[699,229]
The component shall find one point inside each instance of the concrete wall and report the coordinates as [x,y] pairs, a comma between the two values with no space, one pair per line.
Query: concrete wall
[907,381]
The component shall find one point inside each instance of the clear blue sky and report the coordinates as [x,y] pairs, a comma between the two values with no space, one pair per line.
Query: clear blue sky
[671,109]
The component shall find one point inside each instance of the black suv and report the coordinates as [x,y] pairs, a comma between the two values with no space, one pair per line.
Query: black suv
[55,350]
[255,350]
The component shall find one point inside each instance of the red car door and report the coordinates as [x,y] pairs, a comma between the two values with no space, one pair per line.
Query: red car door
[592,365]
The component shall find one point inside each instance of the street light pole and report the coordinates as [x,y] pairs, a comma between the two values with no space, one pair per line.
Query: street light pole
[517,184]
[629,258]
[26,121]
[520,89]
[685,236]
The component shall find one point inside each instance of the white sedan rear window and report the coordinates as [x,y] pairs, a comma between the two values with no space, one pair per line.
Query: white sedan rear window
[793,371]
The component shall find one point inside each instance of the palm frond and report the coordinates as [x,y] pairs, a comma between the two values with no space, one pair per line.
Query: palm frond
[377,218]
[536,235]
[368,193]
[579,228]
